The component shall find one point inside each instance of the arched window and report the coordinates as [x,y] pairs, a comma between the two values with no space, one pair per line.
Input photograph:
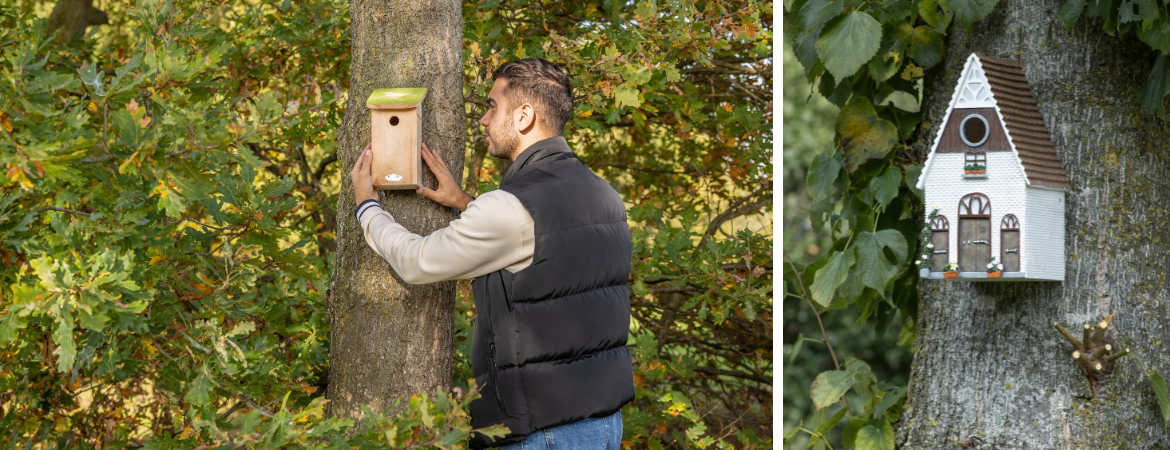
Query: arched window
[975,205]
[974,233]
[939,241]
[1009,243]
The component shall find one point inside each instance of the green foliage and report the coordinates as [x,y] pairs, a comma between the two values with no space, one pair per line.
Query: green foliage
[864,135]
[808,123]
[831,275]
[968,11]
[885,186]
[867,58]
[822,175]
[1152,93]
[808,126]
[157,267]
[829,386]
[1145,18]
[166,222]
[878,270]
[1160,392]
[875,438]
[847,42]
[924,237]
[441,422]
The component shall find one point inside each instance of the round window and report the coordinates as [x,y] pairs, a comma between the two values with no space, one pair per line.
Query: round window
[974,130]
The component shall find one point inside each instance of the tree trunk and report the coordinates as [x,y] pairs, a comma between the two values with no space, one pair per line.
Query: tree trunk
[990,370]
[390,339]
[74,16]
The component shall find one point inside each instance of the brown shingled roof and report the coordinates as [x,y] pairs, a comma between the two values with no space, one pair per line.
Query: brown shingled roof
[1014,98]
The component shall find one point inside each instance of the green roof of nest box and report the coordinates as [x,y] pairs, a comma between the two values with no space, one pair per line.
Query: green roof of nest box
[397,98]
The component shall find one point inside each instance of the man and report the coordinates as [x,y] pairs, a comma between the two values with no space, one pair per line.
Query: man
[549,252]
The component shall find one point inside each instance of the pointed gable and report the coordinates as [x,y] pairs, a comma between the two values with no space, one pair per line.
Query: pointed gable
[998,90]
[973,89]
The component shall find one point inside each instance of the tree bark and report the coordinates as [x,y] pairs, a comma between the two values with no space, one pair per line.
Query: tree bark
[388,339]
[990,370]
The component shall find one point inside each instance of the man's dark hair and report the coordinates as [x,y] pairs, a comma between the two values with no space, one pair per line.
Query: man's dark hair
[542,84]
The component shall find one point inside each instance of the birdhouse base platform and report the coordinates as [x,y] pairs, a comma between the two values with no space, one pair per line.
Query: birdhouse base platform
[982,276]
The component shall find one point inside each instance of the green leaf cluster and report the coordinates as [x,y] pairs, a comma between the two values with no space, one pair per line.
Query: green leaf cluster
[881,403]
[1149,20]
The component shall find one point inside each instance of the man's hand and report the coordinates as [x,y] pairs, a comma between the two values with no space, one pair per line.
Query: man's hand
[363,184]
[448,193]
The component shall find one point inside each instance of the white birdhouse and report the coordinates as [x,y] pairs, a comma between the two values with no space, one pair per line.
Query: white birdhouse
[996,179]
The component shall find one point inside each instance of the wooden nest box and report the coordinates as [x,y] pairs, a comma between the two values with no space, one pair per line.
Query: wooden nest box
[396,132]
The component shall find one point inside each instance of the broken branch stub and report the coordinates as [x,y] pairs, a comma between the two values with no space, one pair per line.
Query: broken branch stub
[1092,353]
[1072,340]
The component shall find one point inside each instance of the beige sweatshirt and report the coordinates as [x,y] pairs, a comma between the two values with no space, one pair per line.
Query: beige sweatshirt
[495,232]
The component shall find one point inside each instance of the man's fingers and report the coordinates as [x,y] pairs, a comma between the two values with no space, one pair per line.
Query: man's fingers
[362,169]
[428,193]
[435,162]
[428,154]
[429,160]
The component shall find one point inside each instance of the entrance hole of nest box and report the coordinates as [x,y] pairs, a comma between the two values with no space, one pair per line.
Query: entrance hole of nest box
[393,120]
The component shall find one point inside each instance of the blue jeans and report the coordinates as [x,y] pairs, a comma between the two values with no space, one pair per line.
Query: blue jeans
[602,433]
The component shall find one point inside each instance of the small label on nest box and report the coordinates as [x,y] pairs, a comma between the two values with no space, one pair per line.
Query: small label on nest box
[394,177]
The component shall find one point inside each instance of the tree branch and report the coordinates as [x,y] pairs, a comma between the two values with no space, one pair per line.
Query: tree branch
[332,158]
[65,210]
[477,156]
[639,169]
[98,159]
[169,223]
[732,373]
[733,211]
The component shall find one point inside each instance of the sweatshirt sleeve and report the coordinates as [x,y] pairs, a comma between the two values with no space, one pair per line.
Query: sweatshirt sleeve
[490,235]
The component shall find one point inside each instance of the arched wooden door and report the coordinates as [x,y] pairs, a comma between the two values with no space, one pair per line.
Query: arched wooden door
[940,239]
[974,233]
[1009,243]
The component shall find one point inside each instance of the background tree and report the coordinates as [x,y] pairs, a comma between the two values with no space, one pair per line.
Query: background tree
[73,17]
[390,339]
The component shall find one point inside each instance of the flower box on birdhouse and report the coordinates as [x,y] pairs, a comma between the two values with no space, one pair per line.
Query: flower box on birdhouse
[995,175]
[396,134]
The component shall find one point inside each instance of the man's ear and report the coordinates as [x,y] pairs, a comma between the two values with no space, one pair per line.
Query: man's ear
[525,118]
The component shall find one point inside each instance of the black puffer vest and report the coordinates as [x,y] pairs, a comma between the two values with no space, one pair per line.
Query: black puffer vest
[549,342]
